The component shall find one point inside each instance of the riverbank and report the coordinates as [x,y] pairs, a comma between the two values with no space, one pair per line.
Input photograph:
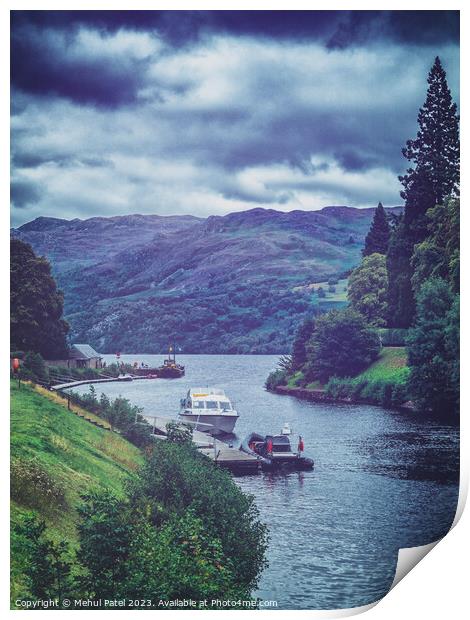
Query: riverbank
[73,483]
[56,457]
[383,383]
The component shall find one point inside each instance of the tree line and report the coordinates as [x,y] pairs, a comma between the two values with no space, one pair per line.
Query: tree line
[408,278]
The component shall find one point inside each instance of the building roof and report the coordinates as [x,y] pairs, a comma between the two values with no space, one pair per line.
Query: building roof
[84,351]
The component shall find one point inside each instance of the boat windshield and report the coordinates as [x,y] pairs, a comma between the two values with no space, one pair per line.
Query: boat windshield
[198,404]
[225,405]
[212,404]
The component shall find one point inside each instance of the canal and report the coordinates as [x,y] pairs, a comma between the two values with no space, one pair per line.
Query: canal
[383,480]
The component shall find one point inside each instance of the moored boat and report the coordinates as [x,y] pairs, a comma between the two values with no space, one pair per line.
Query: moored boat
[170,369]
[208,409]
[275,452]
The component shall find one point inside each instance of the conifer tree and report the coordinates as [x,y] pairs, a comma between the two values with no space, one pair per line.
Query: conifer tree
[435,175]
[378,236]
[435,152]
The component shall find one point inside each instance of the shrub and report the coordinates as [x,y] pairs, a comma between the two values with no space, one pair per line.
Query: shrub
[342,345]
[31,485]
[47,565]
[176,478]
[179,433]
[277,377]
[34,368]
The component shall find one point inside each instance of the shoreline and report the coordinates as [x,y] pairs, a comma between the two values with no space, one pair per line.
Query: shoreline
[320,396]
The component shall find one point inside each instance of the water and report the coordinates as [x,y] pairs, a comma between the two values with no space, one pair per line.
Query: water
[382,480]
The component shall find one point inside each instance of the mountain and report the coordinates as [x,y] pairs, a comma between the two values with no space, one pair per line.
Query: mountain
[224,284]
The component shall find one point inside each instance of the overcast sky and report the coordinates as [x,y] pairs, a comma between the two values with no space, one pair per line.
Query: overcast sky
[213,112]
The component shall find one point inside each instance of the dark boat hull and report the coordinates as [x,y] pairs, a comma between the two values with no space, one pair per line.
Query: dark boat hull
[272,463]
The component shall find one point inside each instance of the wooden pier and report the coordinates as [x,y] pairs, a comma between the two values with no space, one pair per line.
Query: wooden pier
[220,453]
[71,384]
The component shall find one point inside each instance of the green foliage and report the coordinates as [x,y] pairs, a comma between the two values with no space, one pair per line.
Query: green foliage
[180,560]
[105,533]
[46,564]
[378,392]
[436,148]
[32,485]
[435,175]
[179,433]
[34,368]
[400,298]
[439,254]
[368,289]
[297,379]
[186,529]
[35,304]
[302,336]
[120,414]
[275,378]
[433,348]
[384,383]
[342,345]
[176,478]
[378,236]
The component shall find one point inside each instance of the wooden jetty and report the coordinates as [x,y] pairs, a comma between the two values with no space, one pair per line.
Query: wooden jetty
[71,384]
[220,453]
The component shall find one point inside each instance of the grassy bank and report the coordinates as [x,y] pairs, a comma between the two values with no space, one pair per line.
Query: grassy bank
[383,383]
[56,457]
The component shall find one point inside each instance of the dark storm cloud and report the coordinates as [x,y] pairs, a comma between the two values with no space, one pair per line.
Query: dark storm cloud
[209,112]
[41,65]
[23,193]
[53,62]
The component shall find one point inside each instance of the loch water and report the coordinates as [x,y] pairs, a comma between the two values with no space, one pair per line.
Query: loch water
[383,480]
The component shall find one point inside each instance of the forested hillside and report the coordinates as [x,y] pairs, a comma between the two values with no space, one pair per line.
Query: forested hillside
[225,284]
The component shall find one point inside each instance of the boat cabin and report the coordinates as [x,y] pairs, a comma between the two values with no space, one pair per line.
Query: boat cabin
[210,399]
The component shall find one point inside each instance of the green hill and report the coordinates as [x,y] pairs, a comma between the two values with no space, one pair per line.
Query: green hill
[55,457]
[226,284]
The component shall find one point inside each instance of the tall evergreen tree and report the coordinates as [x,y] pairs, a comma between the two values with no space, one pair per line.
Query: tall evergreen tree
[378,236]
[435,153]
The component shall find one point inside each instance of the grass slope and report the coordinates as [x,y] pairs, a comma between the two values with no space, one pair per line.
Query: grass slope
[385,382]
[57,456]
[391,365]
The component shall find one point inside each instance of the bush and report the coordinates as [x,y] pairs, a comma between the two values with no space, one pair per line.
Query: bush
[120,413]
[277,377]
[47,565]
[342,345]
[367,291]
[176,478]
[34,368]
[296,380]
[179,433]
[31,485]
[388,393]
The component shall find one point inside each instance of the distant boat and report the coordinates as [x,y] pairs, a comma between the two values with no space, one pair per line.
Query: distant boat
[170,369]
[208,409]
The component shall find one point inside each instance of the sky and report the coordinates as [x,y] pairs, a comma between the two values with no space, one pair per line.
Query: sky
[210,112]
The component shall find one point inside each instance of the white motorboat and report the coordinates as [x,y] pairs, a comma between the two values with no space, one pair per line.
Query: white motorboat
[208,409]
